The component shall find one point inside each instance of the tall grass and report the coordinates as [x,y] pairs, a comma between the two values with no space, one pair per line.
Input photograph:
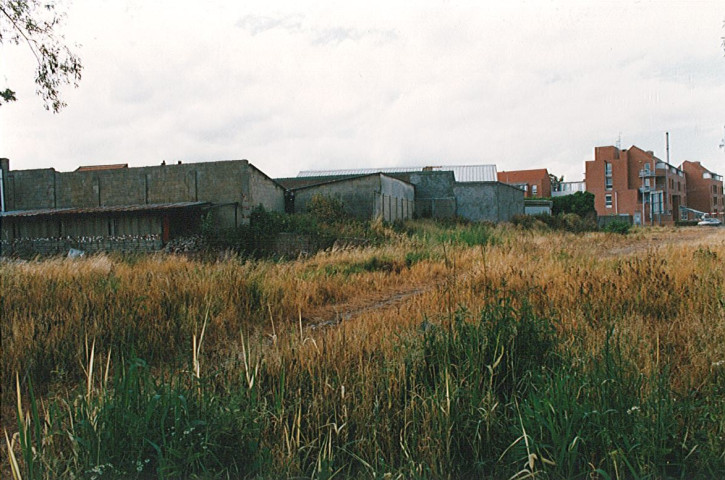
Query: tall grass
[553,355]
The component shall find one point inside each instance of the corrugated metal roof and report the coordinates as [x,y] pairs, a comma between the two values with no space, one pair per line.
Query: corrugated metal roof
[107,209]
[463,173]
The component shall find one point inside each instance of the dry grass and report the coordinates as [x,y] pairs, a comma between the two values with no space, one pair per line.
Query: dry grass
[665,297]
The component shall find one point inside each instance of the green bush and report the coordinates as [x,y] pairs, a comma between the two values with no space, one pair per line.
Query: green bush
[581,203]
[327,209]
[617,226]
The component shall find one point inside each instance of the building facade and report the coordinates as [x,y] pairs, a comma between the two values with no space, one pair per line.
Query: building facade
[363,196]
[534,183]
[637,183]
[467,191]
[117,203]
[568,188]
[704,190]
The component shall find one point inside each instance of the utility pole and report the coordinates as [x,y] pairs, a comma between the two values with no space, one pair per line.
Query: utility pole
[667,179]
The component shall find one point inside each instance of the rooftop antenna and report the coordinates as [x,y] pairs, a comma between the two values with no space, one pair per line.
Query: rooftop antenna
[619,141]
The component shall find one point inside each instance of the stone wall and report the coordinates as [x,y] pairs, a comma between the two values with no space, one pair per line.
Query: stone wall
[28,247]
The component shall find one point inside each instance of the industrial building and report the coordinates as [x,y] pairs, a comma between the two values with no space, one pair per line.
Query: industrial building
[467,191]
[369,196]
[117,207]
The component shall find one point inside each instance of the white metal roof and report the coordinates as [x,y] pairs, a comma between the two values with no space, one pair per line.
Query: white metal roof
[462,173]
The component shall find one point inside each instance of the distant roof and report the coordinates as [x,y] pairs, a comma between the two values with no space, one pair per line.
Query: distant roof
[301,182]
[463,173]
[108,209]
[306,182]
[93,168]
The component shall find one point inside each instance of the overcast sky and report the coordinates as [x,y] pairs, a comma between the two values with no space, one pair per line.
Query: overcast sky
[331,85]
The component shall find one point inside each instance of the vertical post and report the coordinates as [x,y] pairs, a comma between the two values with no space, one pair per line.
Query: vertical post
[165,229]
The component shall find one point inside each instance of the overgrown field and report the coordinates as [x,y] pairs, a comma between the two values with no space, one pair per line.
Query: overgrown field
[446,352]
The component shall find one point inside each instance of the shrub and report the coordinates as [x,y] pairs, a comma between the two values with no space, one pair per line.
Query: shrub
[581,203]
[327,209]
[617,226]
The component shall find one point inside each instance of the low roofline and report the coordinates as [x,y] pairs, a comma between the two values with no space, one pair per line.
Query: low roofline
[94,168]
[347,178]
[153,207]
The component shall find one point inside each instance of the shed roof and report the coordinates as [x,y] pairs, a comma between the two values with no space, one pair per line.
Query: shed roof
[107,209]
[323,180]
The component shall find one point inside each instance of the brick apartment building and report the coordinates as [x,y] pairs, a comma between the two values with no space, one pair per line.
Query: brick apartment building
[704,189]
[534,183]
[637,183]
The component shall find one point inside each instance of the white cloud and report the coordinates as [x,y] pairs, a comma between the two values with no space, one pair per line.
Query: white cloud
[522,85]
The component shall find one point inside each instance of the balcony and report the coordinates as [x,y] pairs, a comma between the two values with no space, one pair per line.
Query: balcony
[647,173]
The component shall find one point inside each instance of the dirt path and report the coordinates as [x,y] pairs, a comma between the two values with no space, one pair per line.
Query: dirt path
[694,237]
[334,314]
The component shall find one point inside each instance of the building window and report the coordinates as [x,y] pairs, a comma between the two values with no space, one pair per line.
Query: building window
[608,201]
[607,168]
[608,183]
[534,189]
[714,189]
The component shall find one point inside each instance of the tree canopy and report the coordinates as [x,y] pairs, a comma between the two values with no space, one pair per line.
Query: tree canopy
[38,25]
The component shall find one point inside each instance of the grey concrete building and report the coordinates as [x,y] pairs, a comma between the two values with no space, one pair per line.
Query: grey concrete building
[488,201]
[116,202]
[364,196]
[469,191]
[434,196]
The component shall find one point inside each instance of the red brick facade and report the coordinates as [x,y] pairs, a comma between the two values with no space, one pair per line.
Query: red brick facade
[534,183]
[637,183]
[704,189]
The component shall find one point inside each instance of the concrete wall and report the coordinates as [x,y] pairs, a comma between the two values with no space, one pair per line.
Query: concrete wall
[364,197]
[488,201]
[264,191]
[397,199]
[538,207]
[434,197]
[233,181]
